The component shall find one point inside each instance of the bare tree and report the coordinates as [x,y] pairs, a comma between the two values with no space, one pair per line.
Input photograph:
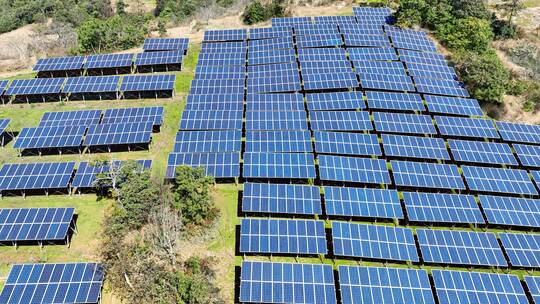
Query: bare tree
[165,227]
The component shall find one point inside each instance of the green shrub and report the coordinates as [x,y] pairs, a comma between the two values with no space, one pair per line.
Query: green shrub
[192,195]
[256,12]
[516,87]
[469,34]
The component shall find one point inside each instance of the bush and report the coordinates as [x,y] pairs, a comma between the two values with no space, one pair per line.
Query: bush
[503,30]
[483,74]
[411,13]
[516,87]
[256,12]
[469,34]
[192,195]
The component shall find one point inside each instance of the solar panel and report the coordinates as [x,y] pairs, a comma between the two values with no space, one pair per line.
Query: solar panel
[384,285]
[215,106]
[322,54]
[326,67]
[413,42]
[371,19]
[366,40]
[35,86]
[346,143]
[103,61]
[53,283]
[363,54]
[289,21]
[460,247]
[441,87]
[482,152]
[165,44]
[371,11]
[432,69]
[88,173]
[533,284]
[271,56]
[278,141]
[418,56]
[218,165]
[514,132]
[272,44]
[282,236]
[414,147]
[380,67]
[318,41]
[35,176]
[59,64]
[453,105]
[279,165]
[394,101]
[209,98]
[340,121]
[35,224]
[3,85]
[224,47]
[217,86]
[528,155]
[477,287]
[523,250]
[225,35]
[203,72]
[362,202]
[362,29]
[278,84]
[216,120]
[466,127]
[266,282]
[442,208]
[330,81]
[3,124]
[334,19]
[386,82]
[335,101]
[275,102]
[511,211]
[274,120]
[315,29]
[70,118]
[128,115]
[281,198]
[91,84]
[118,134]
[403,123]
[426,175]
[498,180]
[270,32]
[50,137]
[374,242]
[352,169]
[160,57]
[160,82]
[208,141]
[273,70]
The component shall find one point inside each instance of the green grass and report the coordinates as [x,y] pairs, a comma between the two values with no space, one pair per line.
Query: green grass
[531,3]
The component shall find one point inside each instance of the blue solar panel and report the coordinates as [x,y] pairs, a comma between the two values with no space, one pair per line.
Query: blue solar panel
[373,242]
[426,175]
[523,250]
[413,42]
[334,19]
[315,29]
[453,105]
[421,57]
[482,152]
[441,87]
[414,147]
[118,134]
[529,134]
[366,40]
[219,165]
[318,41]
[289,21]
[477,287]
[326,67]
[225,35]
[511,211]
[403,123]
[352,169]
[208,141]
[442,208]
[272,70]
[346,143]
[216,120]
[161,57]
[434,71]
[165,44]
[282,236]
[341,121]
[286,83]
[91,84]
[384,285]
[380,67]
[209,98]
[265,282]
[35,86]
[273,120]
[271,56]
[35,224]
[460,247]
[330,81]
[374,19]
[102,61]
[275,102]
[533,283]
[362,29]
[161,82]
[217,86]
[3,124]
[270,32]
[128,115]
[50,137]
[214,106]
[335,101]
[362,202]
[394,101]
[59,64]
[53,283]
[272,44]
[70,118]
[371,11]
[528,155]
[278,141]
[207,72]
[35,176]
[498,180]
[224,47]
[363,54]
[88,173]
[281,198]
[386,82]
[466,127]
[279,165]
[322,54]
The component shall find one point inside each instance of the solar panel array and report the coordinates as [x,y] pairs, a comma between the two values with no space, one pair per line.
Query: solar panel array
[35,224]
